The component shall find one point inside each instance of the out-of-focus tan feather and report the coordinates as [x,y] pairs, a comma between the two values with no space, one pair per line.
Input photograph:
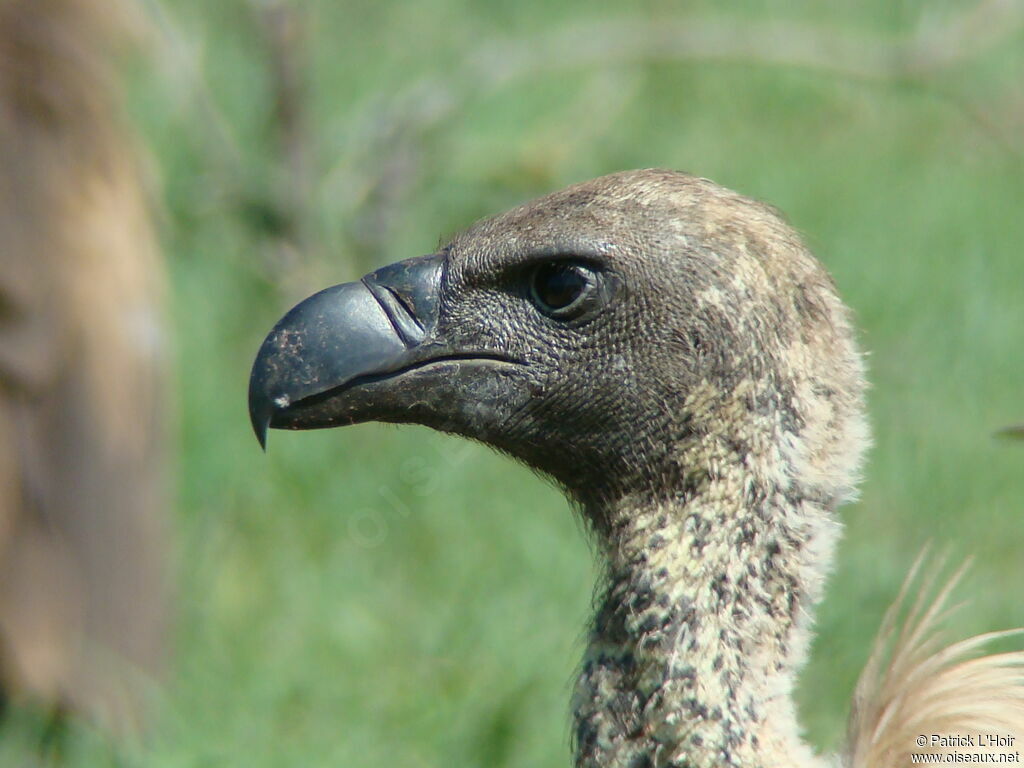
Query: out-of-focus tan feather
[918,684]
[81,369]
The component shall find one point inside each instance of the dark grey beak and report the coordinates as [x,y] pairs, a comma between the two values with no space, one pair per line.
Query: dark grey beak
[343,336]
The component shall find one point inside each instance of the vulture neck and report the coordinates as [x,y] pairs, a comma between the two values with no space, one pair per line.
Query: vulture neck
[704,621]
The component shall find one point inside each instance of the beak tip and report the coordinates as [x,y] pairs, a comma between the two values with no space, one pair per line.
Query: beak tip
[261,411]
[260,424]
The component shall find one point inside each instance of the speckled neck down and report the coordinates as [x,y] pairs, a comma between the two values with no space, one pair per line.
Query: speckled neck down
[701,630]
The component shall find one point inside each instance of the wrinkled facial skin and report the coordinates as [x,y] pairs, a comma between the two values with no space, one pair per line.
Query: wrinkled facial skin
[588,412]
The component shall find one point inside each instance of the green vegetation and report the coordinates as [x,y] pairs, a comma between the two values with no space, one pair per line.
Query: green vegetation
[388,596]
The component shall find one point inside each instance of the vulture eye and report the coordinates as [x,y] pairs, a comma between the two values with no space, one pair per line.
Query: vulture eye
[562,289]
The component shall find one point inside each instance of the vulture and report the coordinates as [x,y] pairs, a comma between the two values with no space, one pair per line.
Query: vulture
[672,356]
[82,360]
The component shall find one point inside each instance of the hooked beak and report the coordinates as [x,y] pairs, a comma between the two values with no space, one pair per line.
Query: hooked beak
[364,351]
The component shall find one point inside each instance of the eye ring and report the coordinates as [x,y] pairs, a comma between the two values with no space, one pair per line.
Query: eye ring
[563,289]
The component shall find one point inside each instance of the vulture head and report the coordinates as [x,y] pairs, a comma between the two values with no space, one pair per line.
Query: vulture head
[623,336]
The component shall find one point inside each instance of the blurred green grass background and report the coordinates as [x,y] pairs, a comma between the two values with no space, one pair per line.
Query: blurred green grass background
[389,596]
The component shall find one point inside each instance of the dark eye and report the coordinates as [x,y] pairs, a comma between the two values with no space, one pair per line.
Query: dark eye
[561,289]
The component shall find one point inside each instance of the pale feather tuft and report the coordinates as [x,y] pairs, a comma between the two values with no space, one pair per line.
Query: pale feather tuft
[916,684]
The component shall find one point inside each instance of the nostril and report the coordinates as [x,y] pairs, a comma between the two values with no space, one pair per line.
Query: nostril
[405,304]
[408,293]
[399,311]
